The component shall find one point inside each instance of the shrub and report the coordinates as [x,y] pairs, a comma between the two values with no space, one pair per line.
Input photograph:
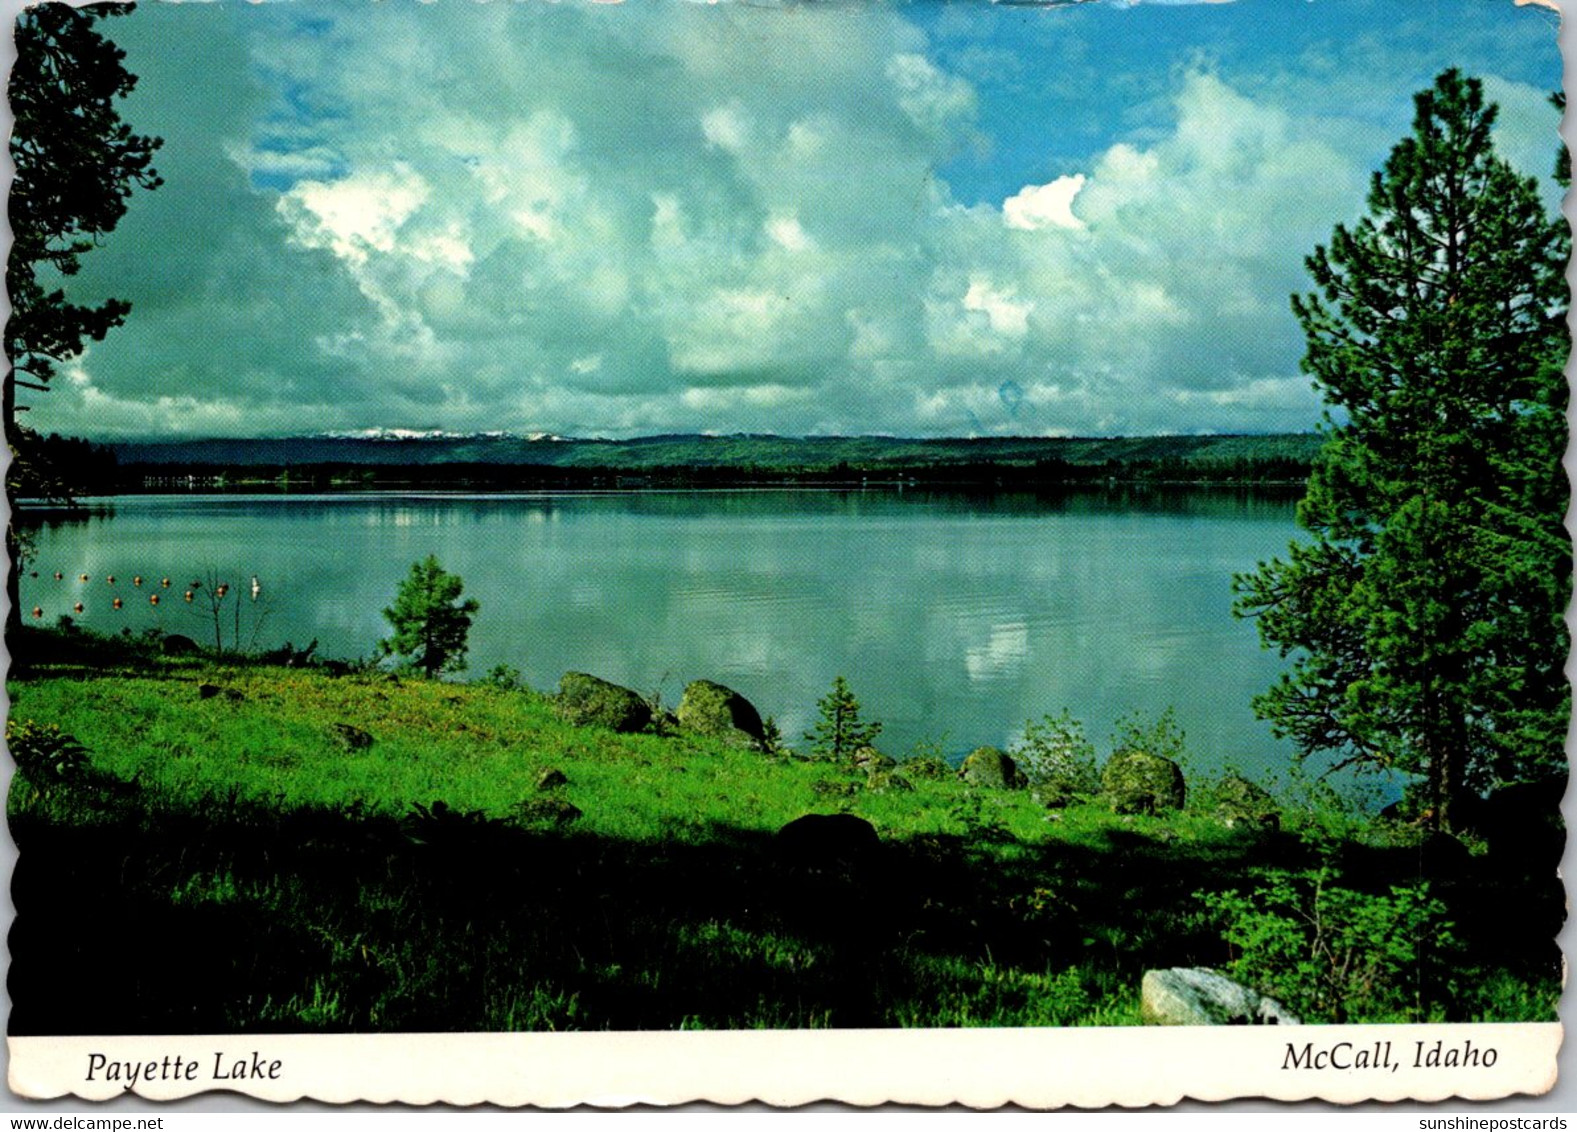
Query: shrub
[1057,758]
[430,621]
[505,677]
[1335,955]
[44,753]
[1163,737]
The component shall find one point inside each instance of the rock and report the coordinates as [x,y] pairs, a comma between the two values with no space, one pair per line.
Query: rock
[1056,795]
[927,767]
[823,838]
[175,644]
[1140,783]
[588,701]
[1241,802]
[885,781]
[552,779]
[827,788]
[351,738]
[992,767]
[1198,996]
[870,760]
[548,811]
[711,709]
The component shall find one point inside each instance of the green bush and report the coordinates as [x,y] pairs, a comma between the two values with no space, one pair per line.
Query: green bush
[1056,757]
[1336,955]
[505,677]
[44,753]
[1163,737]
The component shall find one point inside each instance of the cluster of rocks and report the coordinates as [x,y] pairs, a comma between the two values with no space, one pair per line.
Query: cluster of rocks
[706,708]
[1132,782]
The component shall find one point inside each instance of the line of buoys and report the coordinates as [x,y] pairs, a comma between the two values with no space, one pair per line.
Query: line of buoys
[221,590]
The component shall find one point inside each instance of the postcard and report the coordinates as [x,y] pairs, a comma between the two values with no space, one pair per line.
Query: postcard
[941,553]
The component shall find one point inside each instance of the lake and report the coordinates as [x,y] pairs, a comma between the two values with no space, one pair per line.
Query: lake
[955,618]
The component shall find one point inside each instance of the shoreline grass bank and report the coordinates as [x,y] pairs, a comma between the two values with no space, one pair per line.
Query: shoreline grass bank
[223,855]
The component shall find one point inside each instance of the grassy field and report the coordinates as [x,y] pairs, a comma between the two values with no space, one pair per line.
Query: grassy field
[223,858]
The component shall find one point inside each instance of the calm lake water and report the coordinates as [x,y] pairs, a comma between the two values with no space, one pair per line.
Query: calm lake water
[955,618]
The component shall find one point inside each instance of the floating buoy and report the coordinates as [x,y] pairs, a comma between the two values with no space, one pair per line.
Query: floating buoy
[110,578]
[165,583]
[222,590]
[153,599]
[188,595]
[58,575]
[84,577]
[137,581]
[77,608]
[197,585]
[37,612]
[116,603]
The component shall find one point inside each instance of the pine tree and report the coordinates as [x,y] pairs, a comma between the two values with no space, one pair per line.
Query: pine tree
[839,732]
[430,621]
[1426,613]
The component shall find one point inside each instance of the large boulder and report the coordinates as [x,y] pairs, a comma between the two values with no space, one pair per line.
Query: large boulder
[1140,783]
[712,709]
[1240,802]
[1198,996]
[992,767]
[589,701]
[821,839]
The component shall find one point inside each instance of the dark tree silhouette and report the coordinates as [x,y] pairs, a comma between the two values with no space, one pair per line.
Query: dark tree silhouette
[76,165]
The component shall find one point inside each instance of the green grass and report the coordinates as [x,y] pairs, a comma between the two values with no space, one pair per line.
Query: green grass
[227,864]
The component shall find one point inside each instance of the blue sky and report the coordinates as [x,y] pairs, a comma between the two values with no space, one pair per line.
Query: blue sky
[916,218]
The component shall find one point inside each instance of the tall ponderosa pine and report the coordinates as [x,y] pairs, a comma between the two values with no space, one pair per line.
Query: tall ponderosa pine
[430,621]
[1426,613]
[840,732]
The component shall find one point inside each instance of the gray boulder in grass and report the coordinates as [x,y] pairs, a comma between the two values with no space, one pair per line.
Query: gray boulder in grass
[1198,996]
[589,701]
[1140,783]
[992,767]
[1241,802]
[712,709]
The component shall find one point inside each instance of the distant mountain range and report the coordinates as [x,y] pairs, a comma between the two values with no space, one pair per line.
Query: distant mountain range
[765,453]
